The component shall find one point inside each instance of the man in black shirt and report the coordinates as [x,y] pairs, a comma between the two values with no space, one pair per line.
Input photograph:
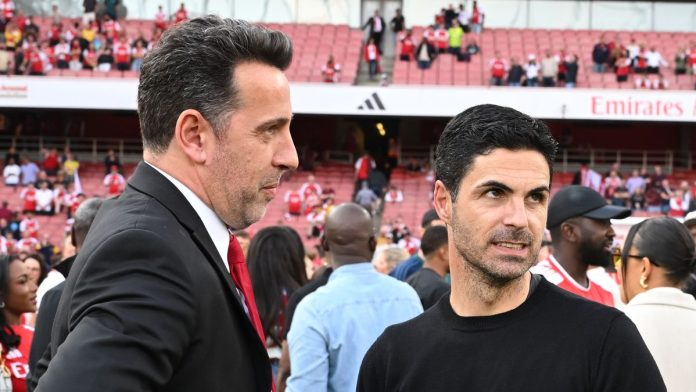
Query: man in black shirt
[501,328]
[429,281]
[398,23]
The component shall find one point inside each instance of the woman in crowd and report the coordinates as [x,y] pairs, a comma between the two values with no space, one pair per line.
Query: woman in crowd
[277,268]
[37,269]
[657,260]
[18,296]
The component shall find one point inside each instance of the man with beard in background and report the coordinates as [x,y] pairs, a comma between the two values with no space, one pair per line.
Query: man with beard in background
[582,236]
[503,328]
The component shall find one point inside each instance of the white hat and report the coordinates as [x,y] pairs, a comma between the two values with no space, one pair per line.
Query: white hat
[532,57]
[690,218]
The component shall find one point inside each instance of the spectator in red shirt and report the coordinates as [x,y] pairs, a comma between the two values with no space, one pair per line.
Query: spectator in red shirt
[7,10]
[498,69]
[331,70]
[55,34]
[51,163]
[181,14]
[160,19]
[691,61]
[294,200]
[110,28]
[114,182]
[19,297]
[623,68]
[441,38]
[28,196]
[371,56]
[309,187]
[122,54]
[407,47]
[363,167]
[477,18]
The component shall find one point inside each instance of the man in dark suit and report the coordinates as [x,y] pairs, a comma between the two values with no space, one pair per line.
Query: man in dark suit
[377,26]
[84,216]
[159,298]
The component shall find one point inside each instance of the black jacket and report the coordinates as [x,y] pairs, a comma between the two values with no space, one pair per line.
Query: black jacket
[150,306]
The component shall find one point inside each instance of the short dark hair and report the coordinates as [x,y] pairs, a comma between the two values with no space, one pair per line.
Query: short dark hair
[480,130]
[82,221]
[667,243]
[428,218]
[192,67]
[433,238]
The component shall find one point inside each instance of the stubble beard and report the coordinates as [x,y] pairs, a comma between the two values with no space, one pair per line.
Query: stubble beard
[492,272]
[244,206]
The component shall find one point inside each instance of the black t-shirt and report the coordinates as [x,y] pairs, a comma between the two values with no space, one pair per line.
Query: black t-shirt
[429,286]
[555,341]
[302,292]
[515,74]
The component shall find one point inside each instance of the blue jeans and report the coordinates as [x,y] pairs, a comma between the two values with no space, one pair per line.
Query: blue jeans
[476,28]
[423,64]
[533,82]
[373,68]
[598,68]
[514,84]
[570,85]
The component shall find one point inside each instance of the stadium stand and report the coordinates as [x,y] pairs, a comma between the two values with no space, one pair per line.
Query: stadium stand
[520,43]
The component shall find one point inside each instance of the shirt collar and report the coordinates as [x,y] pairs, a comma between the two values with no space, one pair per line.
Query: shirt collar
[217,230]
[664,296]
[351,269]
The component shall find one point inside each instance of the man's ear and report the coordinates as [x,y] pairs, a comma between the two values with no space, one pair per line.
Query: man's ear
[372,243]
[193,135]
[570,232]
[442,201]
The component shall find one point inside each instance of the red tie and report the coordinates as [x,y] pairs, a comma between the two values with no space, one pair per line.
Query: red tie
[240,277]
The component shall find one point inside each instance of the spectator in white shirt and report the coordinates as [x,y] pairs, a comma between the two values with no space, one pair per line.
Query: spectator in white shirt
[654,60]
[532,68]
[11,174]
[394,195]
[44,200]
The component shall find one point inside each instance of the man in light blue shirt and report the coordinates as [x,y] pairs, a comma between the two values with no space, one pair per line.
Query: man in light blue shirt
[29,171]
[333,327]
[635,182]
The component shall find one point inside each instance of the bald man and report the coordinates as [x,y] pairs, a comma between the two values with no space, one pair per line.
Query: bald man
[333,327]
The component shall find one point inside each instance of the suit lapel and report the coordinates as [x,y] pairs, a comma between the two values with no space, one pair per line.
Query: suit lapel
[147,180]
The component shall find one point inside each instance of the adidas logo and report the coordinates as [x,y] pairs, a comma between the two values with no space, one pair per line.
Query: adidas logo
[371,102]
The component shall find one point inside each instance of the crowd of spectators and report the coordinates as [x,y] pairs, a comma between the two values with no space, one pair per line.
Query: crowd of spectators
[99,41]
[641,191]
[644,63]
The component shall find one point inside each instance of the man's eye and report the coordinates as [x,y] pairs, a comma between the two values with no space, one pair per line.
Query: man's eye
[537,197]
[494,193]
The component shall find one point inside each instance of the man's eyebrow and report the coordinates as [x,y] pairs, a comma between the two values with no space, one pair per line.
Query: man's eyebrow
[274,123]
[495,184]
[501,186]
[542,188]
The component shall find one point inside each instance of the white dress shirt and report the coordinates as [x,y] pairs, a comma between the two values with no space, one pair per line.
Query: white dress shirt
[217,230]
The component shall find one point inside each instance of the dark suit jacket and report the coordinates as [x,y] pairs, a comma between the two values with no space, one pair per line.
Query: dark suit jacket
[371,24]
[42,334]
[150,306]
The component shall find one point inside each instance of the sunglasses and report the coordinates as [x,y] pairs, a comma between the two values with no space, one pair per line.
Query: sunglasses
[617,256]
